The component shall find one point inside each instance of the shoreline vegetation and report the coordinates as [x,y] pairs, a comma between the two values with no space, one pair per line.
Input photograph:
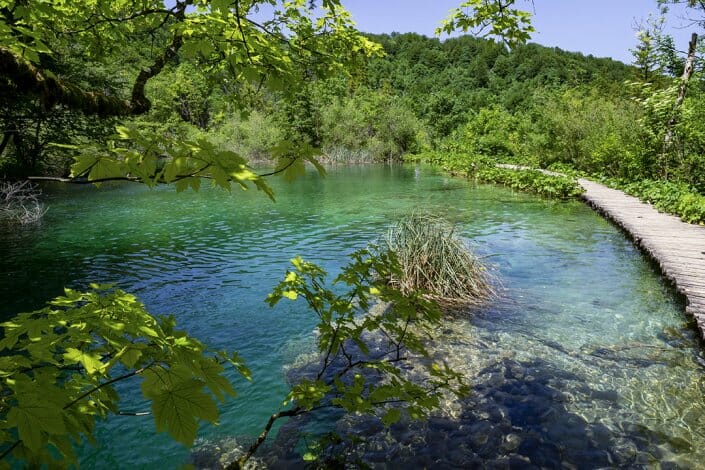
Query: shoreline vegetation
[561,181]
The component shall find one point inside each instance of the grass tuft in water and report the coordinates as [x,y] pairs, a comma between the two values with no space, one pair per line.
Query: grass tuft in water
[433,258]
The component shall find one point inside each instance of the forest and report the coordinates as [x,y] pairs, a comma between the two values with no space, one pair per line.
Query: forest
[186,94]
[458,102]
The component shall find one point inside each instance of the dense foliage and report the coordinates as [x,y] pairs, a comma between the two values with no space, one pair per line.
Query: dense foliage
[172,69]
[547,185]
[462,97]
[422,91]
[675,198]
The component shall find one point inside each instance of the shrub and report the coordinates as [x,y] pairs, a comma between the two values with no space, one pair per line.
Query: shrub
[492,132]
[675,198]
[253,137]
[435,260]
[375,123]
[533,181]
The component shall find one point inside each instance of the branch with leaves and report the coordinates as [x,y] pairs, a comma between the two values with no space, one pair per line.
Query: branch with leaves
[154,159]
[217,32]
[230,42]
[492,18]
[60,365]
[361,352]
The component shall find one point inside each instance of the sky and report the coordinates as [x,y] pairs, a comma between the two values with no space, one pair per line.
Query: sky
[603,28]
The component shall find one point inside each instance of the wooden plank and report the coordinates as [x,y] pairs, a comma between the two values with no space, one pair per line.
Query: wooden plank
[683,268]
[696,285]
[680,271]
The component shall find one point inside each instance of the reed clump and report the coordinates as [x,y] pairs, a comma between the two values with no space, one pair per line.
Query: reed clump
[435,260]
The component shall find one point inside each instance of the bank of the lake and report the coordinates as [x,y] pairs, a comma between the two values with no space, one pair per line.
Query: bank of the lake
[587,355]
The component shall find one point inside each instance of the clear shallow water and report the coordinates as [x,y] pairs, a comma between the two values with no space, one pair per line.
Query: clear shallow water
[586,357]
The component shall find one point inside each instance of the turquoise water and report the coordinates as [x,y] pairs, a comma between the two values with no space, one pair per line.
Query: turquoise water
[599,337]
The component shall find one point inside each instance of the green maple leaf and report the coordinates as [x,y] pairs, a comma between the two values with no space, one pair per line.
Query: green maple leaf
[91,362]
[391,416]
[34,416]
[211,372]
[178,402]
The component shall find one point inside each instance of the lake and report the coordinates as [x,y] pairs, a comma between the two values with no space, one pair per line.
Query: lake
[586,358]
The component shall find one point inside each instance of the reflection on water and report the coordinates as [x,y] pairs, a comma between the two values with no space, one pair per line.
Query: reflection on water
[586,360]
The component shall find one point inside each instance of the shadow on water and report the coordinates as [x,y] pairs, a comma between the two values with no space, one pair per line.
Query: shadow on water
[516,417]
[551,410]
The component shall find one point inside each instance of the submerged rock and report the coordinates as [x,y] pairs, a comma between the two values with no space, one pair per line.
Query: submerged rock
[523,412]
[217,455]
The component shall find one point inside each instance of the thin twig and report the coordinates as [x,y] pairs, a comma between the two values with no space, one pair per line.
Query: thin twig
[10,449]
[328,353]
[147,12]
[242,32]
[105,384]
[276,172]
[81,397]
[239,463]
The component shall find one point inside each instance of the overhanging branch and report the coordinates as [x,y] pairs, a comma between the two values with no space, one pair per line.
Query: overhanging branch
[52,91]
[140,103]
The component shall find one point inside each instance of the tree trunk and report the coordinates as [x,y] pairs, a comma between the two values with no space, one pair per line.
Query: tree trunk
[32,80]
[6,136]
[52,91]
[670,125]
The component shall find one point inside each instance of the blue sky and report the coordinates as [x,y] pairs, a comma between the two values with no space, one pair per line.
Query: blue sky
[603,28]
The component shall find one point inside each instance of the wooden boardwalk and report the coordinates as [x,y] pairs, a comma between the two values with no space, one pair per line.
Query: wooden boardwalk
[677,247]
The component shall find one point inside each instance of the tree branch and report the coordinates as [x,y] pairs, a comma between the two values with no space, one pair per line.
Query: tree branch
[284,40]
[140,104]
[239,463]
[6,136]
[81,397]
[242,32]
[131,179]
[104,19]
[134,413]
[284,168]
[105,384]
[54,91]
[9,449]
[687,73]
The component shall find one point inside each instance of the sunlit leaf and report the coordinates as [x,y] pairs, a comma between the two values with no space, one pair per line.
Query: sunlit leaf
[90,361]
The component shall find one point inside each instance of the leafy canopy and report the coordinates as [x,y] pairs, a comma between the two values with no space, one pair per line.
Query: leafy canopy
[245,45]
